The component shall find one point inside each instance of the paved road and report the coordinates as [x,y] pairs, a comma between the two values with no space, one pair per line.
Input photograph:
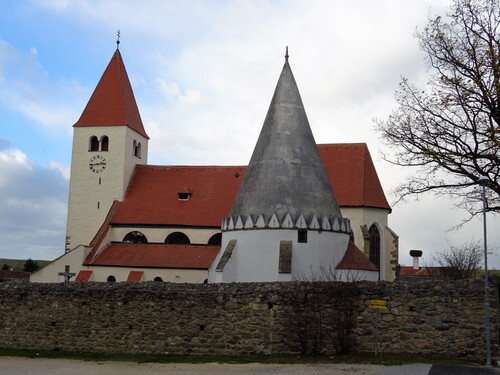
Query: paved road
[24,366]
[456,370]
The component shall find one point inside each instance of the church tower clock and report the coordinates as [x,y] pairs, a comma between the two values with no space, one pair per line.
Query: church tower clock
[109,140]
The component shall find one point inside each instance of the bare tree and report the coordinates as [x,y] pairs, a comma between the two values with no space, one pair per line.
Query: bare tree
[459,262]
[450,131]
[320,310]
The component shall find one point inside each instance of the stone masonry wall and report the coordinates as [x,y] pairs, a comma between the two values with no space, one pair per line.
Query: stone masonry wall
[430,318]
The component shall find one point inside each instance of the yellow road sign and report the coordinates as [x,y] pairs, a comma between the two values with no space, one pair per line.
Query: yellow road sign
[378,304]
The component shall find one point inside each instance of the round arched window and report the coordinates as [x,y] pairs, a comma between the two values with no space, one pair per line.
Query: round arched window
[105,143]
[111,279]
[135,237]
[157,278]
[215,240]
[137,148]
[94,144]
[177,238]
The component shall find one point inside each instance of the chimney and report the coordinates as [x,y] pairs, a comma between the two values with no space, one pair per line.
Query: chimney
[416,254]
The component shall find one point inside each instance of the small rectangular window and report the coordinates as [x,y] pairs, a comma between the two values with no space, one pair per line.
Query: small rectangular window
[302,236]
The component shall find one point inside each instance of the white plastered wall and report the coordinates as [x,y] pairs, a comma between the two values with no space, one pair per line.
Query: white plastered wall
[92,194]
[102,273]
[50,273]
[367,216]
[256,255]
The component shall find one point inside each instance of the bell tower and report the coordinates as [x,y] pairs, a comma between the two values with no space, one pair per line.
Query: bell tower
[109,140]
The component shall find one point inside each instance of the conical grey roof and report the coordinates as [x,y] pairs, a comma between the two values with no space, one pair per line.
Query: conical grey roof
[286,174]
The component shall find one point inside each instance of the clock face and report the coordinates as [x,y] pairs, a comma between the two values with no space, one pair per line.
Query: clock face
[97,164]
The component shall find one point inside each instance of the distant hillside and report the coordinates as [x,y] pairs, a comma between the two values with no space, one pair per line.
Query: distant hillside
[18,264]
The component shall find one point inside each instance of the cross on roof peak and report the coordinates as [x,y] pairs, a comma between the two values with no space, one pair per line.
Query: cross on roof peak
[118,40]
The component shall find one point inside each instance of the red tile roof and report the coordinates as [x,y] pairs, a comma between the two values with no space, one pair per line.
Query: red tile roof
[352,174]
[101,234]
[156,256]
[354,259]
[410,271]
[135,276]
[83,276]
[113,102]
[152,197]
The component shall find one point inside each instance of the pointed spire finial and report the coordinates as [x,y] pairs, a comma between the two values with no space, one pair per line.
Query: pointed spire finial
[286,54]
[118,40]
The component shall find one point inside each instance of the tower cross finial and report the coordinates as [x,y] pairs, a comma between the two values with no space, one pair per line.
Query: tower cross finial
[286,54]
[118,39]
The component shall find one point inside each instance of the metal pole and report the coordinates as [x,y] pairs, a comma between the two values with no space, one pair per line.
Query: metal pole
[483,180]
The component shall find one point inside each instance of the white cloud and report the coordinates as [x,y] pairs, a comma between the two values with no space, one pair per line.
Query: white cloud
[33,207]
[63,169]
[14,159]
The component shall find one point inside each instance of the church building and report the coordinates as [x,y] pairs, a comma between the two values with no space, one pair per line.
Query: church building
[298,210]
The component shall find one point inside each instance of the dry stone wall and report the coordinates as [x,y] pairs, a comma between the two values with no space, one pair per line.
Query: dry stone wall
[430,318]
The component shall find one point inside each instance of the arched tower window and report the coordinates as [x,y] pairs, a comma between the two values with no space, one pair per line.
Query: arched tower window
[215,240]
[135,237]
[137,149]
[374,245]
[177,238]
[104,143]
[93,144]
[111,279]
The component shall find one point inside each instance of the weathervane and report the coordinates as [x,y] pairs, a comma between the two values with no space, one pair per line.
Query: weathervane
[118,40]
[286,54]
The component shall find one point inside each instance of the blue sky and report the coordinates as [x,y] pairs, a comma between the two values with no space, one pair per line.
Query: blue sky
[203,73]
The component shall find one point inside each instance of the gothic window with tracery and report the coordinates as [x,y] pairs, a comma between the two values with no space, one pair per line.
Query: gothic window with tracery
[374,245]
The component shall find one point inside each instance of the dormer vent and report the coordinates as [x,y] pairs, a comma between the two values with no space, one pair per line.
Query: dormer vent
[184,195]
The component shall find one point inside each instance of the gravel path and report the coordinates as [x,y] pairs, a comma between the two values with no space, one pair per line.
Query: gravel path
[42,366]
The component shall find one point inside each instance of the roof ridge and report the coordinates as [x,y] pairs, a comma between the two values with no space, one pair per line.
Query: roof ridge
[185,166]
[342,144]
[101,233]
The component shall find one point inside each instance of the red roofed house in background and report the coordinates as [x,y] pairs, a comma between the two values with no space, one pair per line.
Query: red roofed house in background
[130,221]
